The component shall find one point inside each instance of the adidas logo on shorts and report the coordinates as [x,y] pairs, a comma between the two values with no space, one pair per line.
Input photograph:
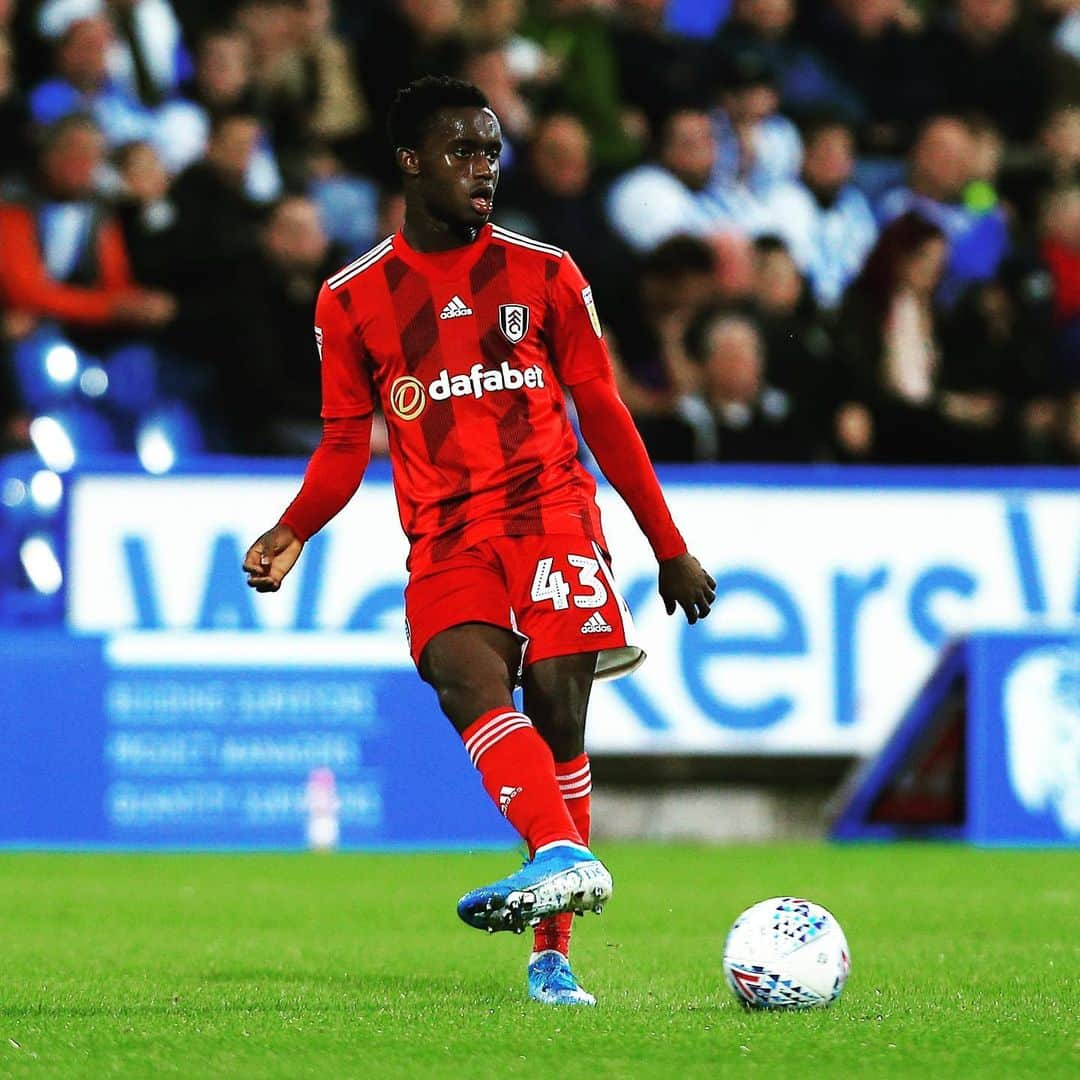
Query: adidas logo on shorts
[455,309]
[595,624]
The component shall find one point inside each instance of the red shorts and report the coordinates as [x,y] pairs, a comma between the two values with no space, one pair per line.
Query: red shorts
[555,592]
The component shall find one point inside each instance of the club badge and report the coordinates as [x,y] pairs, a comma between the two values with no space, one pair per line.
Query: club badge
[513,321]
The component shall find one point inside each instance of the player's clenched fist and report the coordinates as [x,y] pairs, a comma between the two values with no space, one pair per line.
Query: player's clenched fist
[271,557]
[685,583]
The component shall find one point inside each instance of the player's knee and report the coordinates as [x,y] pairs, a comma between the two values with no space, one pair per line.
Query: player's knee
[464,694]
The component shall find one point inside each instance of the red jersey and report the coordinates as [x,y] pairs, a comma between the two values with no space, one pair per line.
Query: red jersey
[467,352]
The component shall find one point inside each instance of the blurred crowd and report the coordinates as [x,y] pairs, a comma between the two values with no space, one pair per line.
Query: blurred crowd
[824,230]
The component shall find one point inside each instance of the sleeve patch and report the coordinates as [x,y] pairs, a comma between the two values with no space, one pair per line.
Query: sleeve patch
[590,307]
[318,341]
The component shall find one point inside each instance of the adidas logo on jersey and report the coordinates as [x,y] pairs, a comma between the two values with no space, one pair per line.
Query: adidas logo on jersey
[506,797]
[455,309]
[595,624]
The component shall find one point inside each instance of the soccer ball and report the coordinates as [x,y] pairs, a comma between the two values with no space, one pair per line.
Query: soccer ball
[786,953]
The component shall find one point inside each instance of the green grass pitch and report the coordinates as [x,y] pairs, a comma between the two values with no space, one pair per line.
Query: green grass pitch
[965,964]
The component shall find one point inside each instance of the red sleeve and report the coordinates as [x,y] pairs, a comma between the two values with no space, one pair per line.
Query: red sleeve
[25,284]
[607,427]
[346,375]
[333,475]
[577,345]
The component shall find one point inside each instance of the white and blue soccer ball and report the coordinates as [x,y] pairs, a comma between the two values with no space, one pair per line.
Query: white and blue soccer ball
[786,953]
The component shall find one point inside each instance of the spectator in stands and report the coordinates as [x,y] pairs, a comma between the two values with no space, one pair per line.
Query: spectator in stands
[999,359]
[659,69]
[673,282]
[1060,139]
[63,254]
[580,39]
[672,195]
[764,30]
[824,218]
[488,67]
[148,57]
[266,362]
[897,405]
[876,48]
[147,216]
[404,40]
[217,219]
[941,168]
[553,198]
[737,415]
[1055,163]
[83,84]
[320,89]
[221,84]
[798,345]
[757,147]
[985,62]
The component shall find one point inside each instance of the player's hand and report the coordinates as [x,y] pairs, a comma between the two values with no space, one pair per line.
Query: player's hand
[271,557]
[685,583]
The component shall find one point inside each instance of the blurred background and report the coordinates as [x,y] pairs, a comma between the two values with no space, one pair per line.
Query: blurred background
[836,249]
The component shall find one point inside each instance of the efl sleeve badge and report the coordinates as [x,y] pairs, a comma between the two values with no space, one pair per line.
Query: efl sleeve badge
[590,307]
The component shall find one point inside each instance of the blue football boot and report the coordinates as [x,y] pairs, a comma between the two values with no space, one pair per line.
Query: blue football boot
[564,877]
[551,982]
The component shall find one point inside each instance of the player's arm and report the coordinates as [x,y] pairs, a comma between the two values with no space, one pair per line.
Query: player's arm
[606,425]
[340,460]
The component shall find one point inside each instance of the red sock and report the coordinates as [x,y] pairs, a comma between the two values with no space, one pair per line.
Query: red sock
[518,772]
[575,782]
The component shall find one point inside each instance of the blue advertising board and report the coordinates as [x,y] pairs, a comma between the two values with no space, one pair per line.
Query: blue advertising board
[153,741]
[837,588]
[988,752]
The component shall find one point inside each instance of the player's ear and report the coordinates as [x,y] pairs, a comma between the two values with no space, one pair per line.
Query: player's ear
[408,161]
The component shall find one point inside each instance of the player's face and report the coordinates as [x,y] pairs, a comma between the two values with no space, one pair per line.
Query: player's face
[458,165]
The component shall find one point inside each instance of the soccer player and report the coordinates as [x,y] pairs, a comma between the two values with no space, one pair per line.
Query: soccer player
[467,335]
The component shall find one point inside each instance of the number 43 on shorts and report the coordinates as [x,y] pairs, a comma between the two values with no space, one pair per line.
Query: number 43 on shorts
[589,591]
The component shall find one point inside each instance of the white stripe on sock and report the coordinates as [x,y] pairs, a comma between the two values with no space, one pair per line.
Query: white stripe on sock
[567,795]
[575,775]
[494,734]
[494,722]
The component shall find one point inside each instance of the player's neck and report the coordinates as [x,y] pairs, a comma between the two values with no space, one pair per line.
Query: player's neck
[427,234]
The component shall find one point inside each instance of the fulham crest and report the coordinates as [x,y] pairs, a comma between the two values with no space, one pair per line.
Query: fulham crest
[513,321]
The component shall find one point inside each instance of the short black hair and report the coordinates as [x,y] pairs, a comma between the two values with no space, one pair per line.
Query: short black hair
[678,256]
[770,244]
[696,338]
[818,121]
[415,106]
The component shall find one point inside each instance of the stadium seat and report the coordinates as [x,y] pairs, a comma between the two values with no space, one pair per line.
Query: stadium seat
[46,368]
[64,437]
[167,436]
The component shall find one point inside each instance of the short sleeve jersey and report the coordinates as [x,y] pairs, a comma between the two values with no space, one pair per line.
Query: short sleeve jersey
[467,352]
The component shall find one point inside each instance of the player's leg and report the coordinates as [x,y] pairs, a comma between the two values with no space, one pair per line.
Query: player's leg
[472,669]
[557,698]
